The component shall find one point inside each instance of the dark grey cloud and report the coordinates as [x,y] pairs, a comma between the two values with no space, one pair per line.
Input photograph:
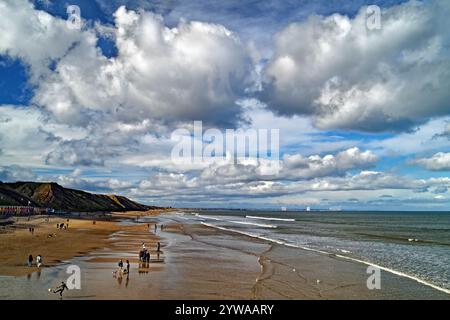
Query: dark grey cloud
[16,173]
[79,153]
[444,134]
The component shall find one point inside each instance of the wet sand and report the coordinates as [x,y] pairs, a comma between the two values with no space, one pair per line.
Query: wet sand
[198,262]
[287,273]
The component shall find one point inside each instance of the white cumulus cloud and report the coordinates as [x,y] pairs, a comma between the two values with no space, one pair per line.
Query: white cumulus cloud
[194,71]
[438,162]
[346,76]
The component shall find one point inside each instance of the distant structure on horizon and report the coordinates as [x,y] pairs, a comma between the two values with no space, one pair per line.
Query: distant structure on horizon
[308,208]
[283,209]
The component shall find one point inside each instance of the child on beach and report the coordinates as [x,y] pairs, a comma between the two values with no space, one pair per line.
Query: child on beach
[60,289]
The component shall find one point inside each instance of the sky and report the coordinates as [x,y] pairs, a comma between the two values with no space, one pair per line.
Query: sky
[363,113]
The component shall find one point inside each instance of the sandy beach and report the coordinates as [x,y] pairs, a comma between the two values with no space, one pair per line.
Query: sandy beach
[195,262]
[56,245]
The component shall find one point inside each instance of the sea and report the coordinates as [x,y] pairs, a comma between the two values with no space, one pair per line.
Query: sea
[415,245]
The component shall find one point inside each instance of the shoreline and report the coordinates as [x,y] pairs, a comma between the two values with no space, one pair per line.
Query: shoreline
[333,272]
[329,254]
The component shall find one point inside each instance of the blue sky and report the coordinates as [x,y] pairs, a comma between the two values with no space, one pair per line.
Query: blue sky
[14,82]
[362,115]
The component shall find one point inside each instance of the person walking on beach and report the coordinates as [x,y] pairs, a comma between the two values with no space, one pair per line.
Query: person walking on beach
[156,226]
[120,264]
[30,260]
[39,260]
[158,250]
[60,289]
[128,267]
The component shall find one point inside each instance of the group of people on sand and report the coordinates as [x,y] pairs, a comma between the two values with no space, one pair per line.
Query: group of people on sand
[39,260]
[121,270]
[144,254]
[31,230]
[63,225]
[144,260]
